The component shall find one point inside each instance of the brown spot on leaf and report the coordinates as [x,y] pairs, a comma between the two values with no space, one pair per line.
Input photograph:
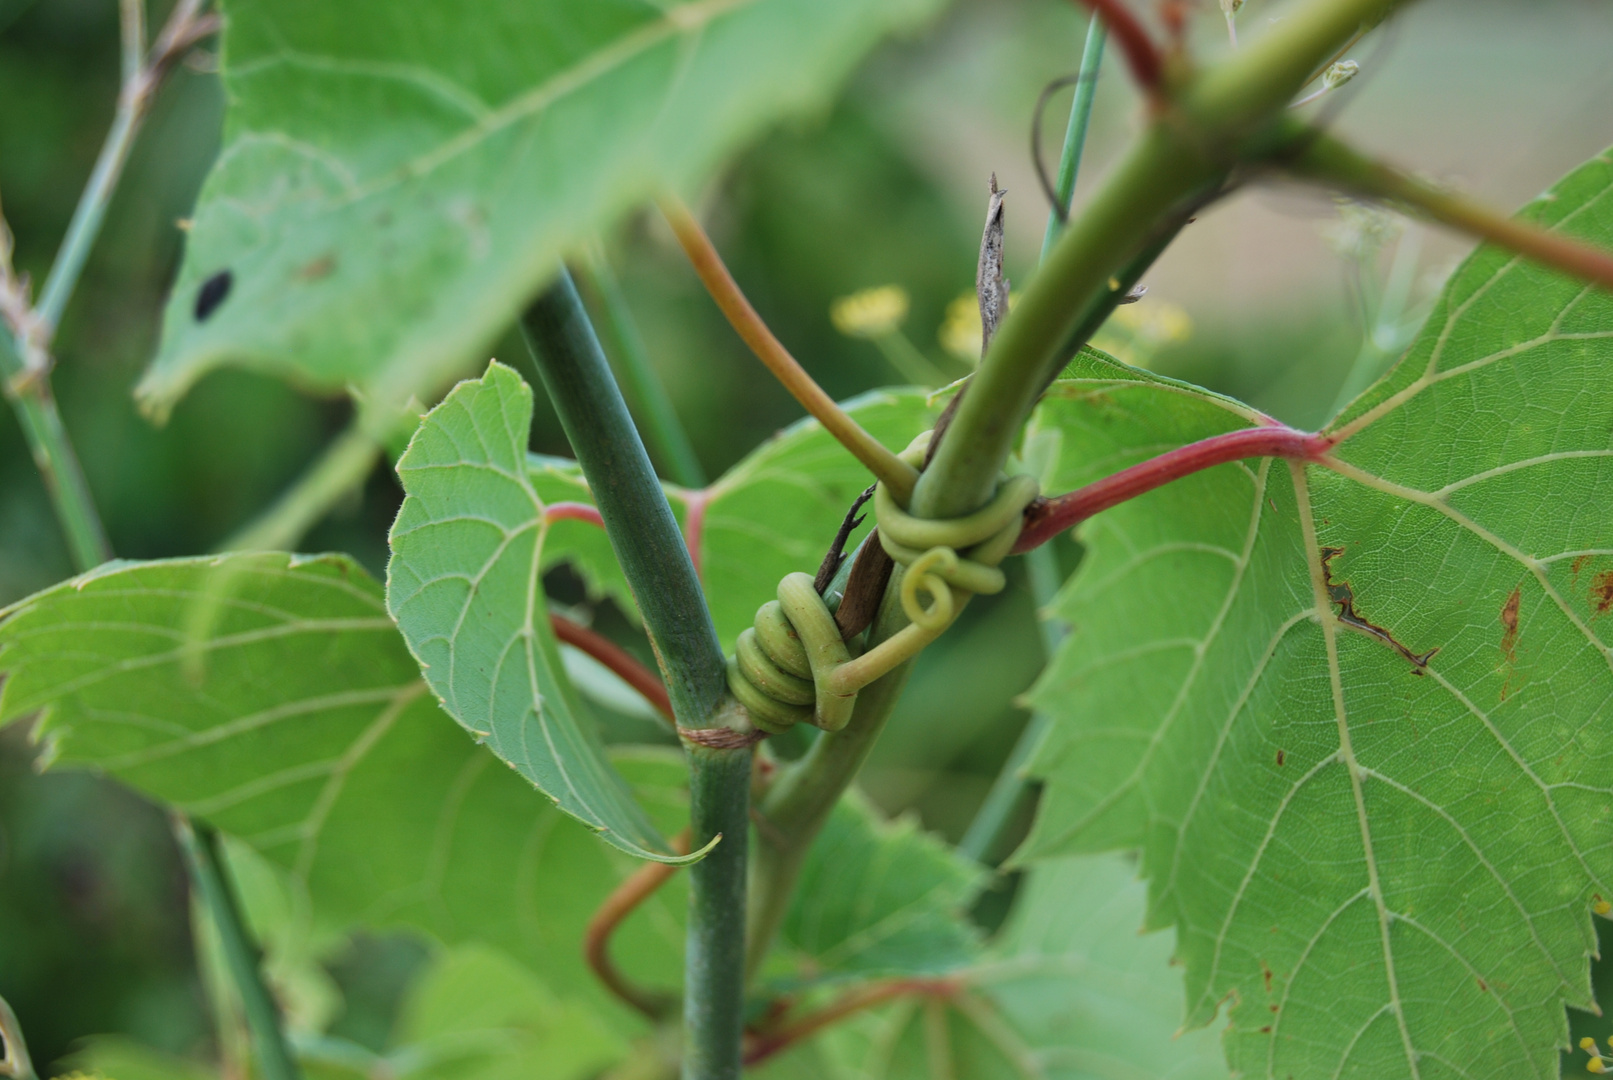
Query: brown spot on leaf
[1281,757]
[1265,973]
[1509,621]
[1602,592]
[1577,565]
[1483,985]
[1341,594]
[1274,1007]
[1266,1030]
[319,268]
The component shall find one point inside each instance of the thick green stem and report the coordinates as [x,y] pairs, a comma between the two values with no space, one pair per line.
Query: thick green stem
[641,384]
[1160,174]
[1203,127]
[643,531]
[208,875]
[714,951]
[653,556]
[1075,135]
[344,465]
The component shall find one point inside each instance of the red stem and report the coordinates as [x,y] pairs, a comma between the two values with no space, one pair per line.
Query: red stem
[1141,55]
[573,511]
[1046,518]
[618,659]
[636,888]
[765,1045]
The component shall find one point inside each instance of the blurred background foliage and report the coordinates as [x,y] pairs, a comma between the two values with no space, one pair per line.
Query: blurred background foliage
[1283,298]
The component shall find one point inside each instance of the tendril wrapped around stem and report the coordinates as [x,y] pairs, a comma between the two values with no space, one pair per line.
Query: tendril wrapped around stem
[792,666]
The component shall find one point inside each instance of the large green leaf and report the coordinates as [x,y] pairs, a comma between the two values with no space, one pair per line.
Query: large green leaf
[1380,826]
[398,179]
[881,897]
[296,720]
[1071,991]
[465,586]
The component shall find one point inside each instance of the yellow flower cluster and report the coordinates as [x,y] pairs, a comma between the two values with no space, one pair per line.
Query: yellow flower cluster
[1136,332]
[871,313]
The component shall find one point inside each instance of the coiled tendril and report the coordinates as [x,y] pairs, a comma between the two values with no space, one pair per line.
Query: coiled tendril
[792,666]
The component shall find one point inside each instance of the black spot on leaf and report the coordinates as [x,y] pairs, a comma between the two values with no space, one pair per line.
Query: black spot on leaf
[212,293]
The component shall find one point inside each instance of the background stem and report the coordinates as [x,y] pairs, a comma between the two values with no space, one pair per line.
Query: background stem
[58,466]
[655,560]
[344,465]
[644,389]
[1075,134]
[208,875]
[983,840]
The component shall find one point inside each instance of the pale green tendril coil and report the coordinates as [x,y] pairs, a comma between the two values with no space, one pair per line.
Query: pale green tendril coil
[792,666]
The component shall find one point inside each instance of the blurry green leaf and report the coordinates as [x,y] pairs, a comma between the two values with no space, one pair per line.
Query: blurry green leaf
[297,721]
[882,897]
[118,1058]
[464,584]
[1071,991]
[478,1015]
[1387,870]
[397,180]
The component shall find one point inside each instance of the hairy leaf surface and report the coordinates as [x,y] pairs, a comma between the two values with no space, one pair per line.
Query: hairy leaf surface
[1356,713]
[294,718]
[465,586]
[398,179]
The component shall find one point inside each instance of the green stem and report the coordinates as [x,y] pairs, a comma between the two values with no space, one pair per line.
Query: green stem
[653,556]
[85,226]
[1075,135]
[200,846]
[1159,175]
[1201,130]
[909,363]
[344,465]
[637,516]
[58,466]
[639,381]
[1012,787]
[1330,161]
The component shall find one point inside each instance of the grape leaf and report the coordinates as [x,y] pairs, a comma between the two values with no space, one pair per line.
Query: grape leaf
[296,720]
[464,585]
[398,179]
[1354,712]
[1070,991]
[881,897]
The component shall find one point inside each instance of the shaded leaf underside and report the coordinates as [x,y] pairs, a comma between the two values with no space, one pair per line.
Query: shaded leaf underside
[1385,870]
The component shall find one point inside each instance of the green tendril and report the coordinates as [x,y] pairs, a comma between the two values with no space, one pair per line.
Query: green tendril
[792,666]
